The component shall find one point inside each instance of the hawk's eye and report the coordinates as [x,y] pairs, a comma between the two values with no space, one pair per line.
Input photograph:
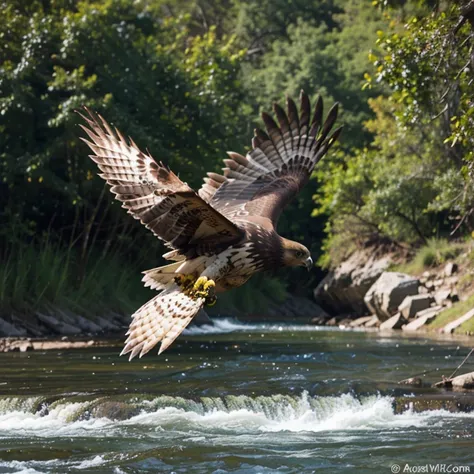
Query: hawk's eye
[299,254]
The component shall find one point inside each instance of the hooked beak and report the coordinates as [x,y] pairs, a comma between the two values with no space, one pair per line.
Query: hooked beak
[308,263]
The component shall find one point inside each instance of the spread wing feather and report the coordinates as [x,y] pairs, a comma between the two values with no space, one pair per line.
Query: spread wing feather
[279,165]
[152,193]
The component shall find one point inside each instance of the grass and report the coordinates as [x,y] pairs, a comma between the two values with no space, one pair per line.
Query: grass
[434,253]
[47,274]
[453,313]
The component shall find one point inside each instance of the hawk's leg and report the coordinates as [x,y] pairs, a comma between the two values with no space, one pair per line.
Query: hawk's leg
[201,287]
[185,282]
[204,288]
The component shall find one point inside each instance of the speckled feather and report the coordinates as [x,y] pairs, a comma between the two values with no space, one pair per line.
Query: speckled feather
[262,183]
[227,231]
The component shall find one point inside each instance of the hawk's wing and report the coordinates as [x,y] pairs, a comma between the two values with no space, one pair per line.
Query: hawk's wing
[279,165]
[153,194]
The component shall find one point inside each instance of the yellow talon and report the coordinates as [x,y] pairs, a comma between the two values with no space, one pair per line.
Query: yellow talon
[202,287]
[209,284]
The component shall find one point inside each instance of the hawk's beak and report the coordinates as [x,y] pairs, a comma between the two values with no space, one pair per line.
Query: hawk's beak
[308,263]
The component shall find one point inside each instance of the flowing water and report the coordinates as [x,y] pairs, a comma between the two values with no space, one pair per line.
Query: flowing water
[233,398]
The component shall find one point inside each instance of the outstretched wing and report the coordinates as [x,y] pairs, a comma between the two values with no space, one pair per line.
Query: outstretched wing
[163,319]
[153,194]
[279,165]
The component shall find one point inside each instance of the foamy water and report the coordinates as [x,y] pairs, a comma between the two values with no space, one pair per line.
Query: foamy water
[251,398]
[241,414]
[228,325]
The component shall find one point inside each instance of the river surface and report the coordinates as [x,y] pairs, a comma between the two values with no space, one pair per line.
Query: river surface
[233,398]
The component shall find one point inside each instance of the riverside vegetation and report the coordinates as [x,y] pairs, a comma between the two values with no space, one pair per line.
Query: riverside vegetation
[175,75]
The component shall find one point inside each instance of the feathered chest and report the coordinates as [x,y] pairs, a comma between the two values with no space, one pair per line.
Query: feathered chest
[261,250]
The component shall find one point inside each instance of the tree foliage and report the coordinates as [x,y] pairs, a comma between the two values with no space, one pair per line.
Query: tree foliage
[187,79]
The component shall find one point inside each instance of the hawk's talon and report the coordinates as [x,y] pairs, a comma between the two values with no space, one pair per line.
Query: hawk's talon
[203,288]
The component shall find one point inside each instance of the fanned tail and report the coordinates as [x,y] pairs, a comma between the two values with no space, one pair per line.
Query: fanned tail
[163,319]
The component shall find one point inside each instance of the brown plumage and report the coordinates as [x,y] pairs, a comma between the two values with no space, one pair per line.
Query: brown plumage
[226,232]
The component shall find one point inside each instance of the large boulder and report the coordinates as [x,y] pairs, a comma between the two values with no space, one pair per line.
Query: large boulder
[342,290]
[385,296]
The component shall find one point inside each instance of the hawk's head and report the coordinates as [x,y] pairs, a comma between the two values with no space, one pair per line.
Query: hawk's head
[296,255]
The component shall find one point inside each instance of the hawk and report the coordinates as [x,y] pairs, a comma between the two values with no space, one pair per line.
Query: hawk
[224,233]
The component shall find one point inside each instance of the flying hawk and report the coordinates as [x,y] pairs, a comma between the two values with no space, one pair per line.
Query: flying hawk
[224,233]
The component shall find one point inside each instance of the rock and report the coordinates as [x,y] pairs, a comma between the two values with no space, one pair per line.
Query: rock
[318,321]
[414,304]
[345,323]
[386,294]
[445,297]
[114,410]
[450,327]
[332,322]
[423,290]
[433,309]
[373,322]
[9,329]
[295,307]
[426,275]
[450,269]
[395,322]
[422,318]
[360,321]
[106,324]
[84,324]
[454,402]
[463,381]
[439,282]
[9,344]
[414,381]
[343,289]
[57,325]
[451,281]
[429,285]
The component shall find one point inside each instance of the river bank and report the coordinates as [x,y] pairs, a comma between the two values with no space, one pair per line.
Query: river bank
[430,292]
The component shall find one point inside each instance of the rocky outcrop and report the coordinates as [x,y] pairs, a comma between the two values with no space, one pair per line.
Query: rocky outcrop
[343,289]
[412,305]
[385,296]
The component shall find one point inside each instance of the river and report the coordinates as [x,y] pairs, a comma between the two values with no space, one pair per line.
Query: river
[233,398]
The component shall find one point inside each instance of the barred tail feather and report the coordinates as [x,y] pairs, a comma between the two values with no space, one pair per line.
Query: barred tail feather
[163,319]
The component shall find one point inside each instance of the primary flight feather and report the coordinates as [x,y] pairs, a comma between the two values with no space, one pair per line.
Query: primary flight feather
[226,232]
